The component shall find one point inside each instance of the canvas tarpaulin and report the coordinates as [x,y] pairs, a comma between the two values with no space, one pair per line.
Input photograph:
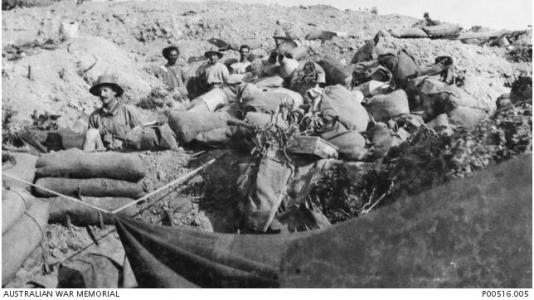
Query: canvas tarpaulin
[472,232]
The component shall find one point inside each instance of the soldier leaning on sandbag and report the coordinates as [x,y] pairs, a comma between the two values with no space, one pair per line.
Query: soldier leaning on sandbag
[109,125]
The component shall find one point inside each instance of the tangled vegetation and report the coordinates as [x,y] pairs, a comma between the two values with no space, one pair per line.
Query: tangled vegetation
[427,159]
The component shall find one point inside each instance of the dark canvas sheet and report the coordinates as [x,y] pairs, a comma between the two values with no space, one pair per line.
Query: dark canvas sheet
[472,232]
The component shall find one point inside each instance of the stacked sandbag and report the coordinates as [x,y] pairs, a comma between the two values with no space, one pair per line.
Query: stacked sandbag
[346,119]
[435,97]
[81,215]
[81,174]
[467,117]
[273,81]
[212,100]
[338,103]
[372,81]
[351,145]
[22,238]
[385,107]
[442,30]
[270,101]
[409,33]
[335,72]
[402,65]
[157,137]
[191,125]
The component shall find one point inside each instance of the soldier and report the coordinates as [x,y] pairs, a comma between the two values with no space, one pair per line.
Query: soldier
[109,125]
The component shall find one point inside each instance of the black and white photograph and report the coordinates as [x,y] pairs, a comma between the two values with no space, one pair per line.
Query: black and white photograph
[375,145]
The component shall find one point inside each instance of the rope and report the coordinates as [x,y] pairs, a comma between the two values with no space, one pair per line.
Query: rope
[26,204]
[177,181]
[36,223]
[56,193]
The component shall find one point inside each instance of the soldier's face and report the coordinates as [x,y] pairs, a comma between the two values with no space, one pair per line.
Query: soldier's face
[214,58]
[173,56]
[244,53]
[106,94]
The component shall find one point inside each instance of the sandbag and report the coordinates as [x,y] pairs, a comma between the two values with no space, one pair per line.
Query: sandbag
[263,187]
[152,138]
[267,102]
[322,35]
[385,107]
[263,120]
[287,67]
[307,76]
[216,136]
[187,125]
[351,145]
[75,163]
[438,122]
[24,167]
[467,117]
[92,270]
[15,202]
[339,103]
[93,187]
[297,53]
[372,88]
[81,215]
[56,140]
[435,97]
[402,66]
[274,81]
[363,73]
[22,238]
[366,52]
[407,33]
[381,138]
[442,30]
[296,97]
[335,72]
[214,99]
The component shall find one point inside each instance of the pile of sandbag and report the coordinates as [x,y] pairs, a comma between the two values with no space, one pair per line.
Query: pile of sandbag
[202,126]
[24,220]
[107,180]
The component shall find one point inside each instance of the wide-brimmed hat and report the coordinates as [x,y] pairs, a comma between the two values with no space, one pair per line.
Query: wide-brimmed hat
[211,51]
[106,80]
[167,50]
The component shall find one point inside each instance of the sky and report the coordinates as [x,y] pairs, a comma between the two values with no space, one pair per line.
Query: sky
[495,14]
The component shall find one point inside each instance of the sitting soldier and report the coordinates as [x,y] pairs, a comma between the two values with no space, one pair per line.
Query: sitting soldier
[109,125]
[214,73]
[171,74]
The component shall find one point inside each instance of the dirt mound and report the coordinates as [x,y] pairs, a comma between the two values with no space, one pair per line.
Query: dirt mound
[57,81]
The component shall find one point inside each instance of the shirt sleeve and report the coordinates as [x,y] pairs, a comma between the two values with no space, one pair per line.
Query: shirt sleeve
[133,116]
[224,73]
[93,121]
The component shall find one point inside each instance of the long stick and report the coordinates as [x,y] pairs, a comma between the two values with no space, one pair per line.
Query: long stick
[56,193]
[177,181]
